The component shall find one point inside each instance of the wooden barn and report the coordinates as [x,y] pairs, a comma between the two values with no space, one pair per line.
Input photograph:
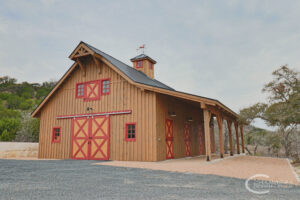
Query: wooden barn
[103,109]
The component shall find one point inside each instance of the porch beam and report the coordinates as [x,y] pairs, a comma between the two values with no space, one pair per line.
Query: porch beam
[229,125]
[206,119]
[236,125]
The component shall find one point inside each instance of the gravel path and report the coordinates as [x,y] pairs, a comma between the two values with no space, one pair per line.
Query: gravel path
[277,169]
[68,179]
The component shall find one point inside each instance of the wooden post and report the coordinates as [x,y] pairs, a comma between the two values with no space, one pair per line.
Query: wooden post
[221,141]
[236,125]
[229,124]
[206,119]
[242,137]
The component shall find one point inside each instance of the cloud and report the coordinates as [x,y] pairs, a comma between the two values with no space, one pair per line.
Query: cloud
[220,49]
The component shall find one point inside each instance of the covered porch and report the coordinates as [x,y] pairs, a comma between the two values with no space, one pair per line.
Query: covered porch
[193,132]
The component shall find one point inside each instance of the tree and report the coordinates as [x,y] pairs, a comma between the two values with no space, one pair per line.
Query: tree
[283,107]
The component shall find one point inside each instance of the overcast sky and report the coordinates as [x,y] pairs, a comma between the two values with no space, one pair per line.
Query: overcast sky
[215,48]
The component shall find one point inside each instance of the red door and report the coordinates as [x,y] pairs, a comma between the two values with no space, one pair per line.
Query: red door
[90,138]
[80,139]
[99,135]
[187,139]
[169,139]
[201,139]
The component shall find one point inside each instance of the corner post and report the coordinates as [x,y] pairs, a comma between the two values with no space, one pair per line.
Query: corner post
[206,119]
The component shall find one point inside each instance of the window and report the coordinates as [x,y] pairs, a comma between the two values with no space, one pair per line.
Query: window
[151,65]
[79,90]
[139,64]
[105,86]
[130,134]
[56,134]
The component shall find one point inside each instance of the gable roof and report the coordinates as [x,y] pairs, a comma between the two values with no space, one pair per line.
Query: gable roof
[137,78]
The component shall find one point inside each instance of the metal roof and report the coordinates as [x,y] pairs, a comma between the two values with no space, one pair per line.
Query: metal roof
[142,57]
[130,72]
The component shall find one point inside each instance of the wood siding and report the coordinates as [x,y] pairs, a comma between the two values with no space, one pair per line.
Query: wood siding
[183,111]
[123,96]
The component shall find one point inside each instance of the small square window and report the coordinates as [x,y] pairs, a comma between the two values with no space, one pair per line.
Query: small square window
[80,90]
[56,135]
[139,64]
[130,132]
[105,87]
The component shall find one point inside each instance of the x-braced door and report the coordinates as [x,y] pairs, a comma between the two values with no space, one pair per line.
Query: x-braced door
[92,90]
[99,138]
[80,139]
[90,138]
[169,139]
[187,139]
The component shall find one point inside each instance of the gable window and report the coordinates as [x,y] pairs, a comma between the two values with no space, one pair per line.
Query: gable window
[56,134]
[139,64]
[79,90]
[105,86]
[89,91]
[130,134]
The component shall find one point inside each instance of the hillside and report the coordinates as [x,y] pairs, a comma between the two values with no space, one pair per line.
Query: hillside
[17,101]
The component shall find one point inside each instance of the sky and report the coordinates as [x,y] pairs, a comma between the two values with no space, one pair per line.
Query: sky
[220,49]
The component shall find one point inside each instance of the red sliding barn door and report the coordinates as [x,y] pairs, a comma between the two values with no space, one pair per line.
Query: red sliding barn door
[169,139]
[187,139]
[99,138]
[80,137]
[90,138]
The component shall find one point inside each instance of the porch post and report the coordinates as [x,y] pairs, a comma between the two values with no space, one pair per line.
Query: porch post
[229,124]
[206,119]
[221,141]
[236,125]
[242,137]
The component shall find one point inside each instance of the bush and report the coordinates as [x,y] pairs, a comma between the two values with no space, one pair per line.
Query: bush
[8,128]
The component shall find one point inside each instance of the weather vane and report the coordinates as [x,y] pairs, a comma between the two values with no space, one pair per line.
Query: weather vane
[143,47]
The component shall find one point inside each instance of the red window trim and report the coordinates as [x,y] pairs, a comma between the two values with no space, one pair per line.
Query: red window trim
[106,79]
[85,91]
[138,62]
[126,132]
[53,134]
[76,90]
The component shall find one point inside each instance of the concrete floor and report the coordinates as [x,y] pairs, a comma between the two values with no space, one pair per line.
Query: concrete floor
[69,179]
[239,166]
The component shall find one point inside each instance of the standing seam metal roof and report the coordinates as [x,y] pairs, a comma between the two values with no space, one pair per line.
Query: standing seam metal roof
[133,74]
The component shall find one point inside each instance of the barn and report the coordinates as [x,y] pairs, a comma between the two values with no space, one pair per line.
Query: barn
[103,109]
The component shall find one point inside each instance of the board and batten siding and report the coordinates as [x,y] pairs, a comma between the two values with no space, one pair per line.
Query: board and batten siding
[123,96]
[183,111]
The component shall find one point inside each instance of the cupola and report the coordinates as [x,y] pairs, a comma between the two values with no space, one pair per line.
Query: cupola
[144,64]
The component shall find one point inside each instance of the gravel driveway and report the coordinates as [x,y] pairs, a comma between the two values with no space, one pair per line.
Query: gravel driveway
[69,179]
